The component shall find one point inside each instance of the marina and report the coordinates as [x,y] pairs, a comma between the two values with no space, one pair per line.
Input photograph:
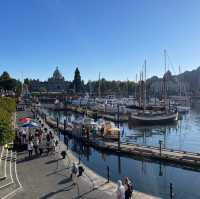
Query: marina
[169,155]
[151,177]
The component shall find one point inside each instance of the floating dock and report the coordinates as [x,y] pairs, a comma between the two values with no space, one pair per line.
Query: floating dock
[183,158]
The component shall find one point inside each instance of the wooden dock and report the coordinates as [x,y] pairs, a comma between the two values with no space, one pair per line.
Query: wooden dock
[183,158]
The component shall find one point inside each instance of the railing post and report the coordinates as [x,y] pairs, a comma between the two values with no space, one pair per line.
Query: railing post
[108,174]
[171,190]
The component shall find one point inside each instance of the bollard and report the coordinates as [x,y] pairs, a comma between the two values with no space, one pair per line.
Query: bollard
[160,147]
[57,123]
[79,159]
[64,124]
[171,190]
[108,174]
[119,141]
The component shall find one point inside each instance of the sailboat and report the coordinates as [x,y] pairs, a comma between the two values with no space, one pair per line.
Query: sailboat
[160,115]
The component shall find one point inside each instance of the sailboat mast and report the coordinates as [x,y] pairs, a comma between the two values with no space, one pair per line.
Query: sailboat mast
[180,89]
[145,90]
[99,88]
[165,91]
[140,85]
[136,86]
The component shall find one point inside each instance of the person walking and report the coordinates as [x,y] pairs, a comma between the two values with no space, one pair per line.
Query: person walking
[128,188]
[41,147]
[80,170]
[120,190]
[36,144]
[30,149]
[74,173]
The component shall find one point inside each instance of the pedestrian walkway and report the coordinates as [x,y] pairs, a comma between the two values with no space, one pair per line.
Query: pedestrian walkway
[97,181]
[48,177]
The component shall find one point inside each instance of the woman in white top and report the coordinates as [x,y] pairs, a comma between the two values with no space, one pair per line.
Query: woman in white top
[120,190]
[30,149]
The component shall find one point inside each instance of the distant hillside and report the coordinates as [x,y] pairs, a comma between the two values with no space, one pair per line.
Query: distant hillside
[188,83]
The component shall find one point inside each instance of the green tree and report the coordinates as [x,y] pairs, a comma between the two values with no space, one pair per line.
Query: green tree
[5,76]
[77,84]
[7,107]
[8,83]
[6,133]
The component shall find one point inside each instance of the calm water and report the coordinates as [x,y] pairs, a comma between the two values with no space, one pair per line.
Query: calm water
[150,177]
[185,135]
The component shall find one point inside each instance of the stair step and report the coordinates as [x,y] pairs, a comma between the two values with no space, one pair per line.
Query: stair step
[3,163]
[9,191]
[7,180]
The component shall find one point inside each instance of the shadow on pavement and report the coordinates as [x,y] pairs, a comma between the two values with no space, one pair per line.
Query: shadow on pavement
[88,192]
[57,171]
[64,181]
[49,195]
[53,161]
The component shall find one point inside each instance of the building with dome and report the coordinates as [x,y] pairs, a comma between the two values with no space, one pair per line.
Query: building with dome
[57,76]
[56,83]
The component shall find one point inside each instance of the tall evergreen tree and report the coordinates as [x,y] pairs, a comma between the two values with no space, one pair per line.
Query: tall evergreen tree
[77,84]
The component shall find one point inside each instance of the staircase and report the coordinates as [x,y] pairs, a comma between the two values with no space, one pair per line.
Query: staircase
[9,182]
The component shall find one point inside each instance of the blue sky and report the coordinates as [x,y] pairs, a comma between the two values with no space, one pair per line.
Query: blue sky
[108,36]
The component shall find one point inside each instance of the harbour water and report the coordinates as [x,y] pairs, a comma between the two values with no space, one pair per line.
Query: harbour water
[150,177]
[184,135]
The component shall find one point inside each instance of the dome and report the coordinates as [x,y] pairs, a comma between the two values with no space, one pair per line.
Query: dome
[57,75]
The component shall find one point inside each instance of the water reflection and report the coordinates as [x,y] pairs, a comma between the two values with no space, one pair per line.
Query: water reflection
[148,177]
[185,135]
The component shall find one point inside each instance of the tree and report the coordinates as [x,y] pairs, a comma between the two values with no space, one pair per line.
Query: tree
[5,76]
[7,107]
[8,83]
[6,133]
[77,84]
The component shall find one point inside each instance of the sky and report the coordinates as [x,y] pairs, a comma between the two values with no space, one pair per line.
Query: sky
[112,37]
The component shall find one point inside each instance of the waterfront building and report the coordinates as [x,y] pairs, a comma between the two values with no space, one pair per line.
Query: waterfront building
[56,83]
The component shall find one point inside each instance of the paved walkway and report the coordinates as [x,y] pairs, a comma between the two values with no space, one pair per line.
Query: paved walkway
[48,177]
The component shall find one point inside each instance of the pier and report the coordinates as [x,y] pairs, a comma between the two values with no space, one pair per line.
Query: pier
[183,158]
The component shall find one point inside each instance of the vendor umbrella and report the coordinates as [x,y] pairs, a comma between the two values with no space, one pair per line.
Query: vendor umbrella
[25,120]
[31,125]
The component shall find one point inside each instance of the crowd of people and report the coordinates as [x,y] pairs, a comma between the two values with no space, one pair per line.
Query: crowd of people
[36,140]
